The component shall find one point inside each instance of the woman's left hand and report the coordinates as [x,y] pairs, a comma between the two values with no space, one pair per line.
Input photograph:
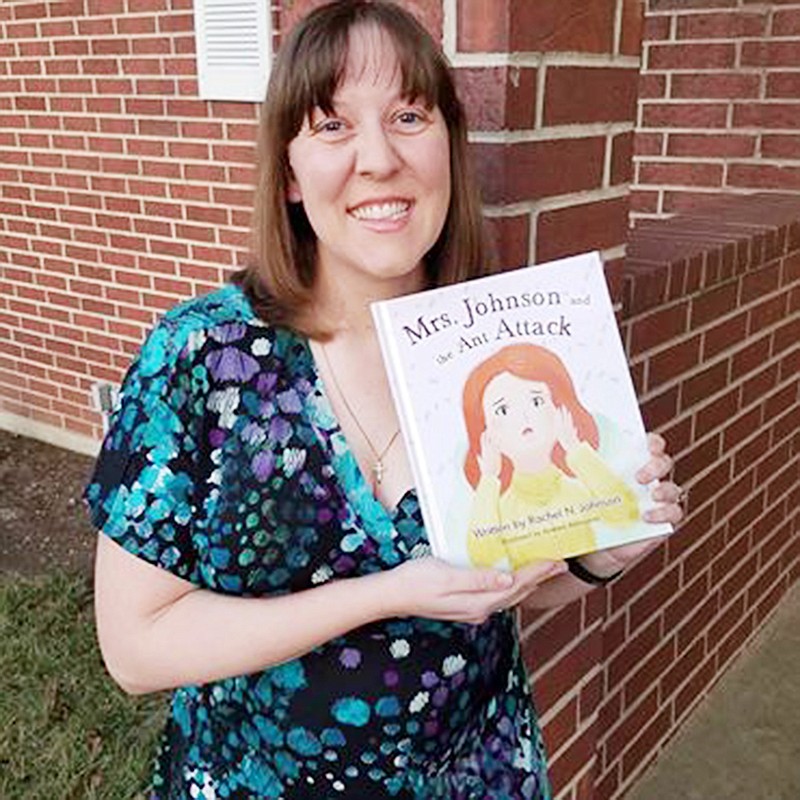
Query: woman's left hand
[667,494]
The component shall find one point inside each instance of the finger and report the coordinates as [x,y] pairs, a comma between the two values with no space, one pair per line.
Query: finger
[656,468]
[656,444]
[484,580]
[667,492]
[669,512]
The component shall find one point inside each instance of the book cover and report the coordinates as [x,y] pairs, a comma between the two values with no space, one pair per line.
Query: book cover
[519,415]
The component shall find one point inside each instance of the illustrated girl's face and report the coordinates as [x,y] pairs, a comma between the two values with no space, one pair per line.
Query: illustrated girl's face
[373,174]
[520,417]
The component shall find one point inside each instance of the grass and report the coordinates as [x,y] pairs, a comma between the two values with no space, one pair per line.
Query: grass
[66,730]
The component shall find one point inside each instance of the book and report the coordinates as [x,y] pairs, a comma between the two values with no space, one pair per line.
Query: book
[519,415]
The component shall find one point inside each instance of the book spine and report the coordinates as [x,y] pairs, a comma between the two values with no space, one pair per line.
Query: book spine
[411,434]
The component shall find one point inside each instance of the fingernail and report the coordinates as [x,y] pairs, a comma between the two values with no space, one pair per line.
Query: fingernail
[505,579]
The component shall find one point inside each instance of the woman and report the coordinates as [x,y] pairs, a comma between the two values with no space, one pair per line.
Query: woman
[532,459]
[246,561]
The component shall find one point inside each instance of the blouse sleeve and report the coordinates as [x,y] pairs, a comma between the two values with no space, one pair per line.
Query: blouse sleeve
[145,483]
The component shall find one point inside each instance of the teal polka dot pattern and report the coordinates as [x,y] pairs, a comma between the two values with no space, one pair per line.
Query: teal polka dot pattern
[225,465]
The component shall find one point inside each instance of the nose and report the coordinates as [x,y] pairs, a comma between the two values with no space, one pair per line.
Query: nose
[377,155]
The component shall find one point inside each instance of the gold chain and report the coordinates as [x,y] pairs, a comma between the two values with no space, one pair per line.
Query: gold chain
[378,468]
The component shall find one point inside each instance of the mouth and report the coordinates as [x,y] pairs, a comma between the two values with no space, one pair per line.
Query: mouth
[527,431]
[381,211]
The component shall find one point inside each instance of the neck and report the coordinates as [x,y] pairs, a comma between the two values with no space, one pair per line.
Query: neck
[343,301]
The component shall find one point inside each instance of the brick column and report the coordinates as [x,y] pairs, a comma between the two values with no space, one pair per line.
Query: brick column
[551,91]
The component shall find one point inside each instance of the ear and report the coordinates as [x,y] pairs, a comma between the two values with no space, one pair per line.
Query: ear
[293,193]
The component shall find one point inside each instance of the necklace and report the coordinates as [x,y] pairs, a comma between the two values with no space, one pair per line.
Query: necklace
[378,468]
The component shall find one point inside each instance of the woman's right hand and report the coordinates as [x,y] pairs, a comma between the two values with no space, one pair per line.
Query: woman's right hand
[432,588]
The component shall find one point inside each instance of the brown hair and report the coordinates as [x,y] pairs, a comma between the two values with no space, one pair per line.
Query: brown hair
[308,69]
[533,363]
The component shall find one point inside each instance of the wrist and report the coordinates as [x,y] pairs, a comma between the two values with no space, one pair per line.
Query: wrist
[596,572]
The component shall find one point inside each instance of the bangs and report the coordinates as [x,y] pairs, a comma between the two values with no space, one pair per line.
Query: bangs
[319,57]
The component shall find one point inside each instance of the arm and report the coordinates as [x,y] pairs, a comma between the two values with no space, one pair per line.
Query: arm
[158,631]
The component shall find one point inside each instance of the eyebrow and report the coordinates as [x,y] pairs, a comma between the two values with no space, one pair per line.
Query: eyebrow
[498,401]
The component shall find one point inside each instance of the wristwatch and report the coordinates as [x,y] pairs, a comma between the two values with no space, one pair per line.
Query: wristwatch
[583,574]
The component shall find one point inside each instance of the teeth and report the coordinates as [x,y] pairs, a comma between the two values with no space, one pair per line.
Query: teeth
[381,211]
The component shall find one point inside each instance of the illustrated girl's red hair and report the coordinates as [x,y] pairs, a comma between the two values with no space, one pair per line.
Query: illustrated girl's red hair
[530,362]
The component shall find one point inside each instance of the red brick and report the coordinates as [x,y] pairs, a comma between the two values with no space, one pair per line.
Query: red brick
[533,170]
[770,54]
[585,26]
[684,115]
[561,727]
[658,327]
[651,86]
[728,25]
[557,679]
[673,362]
[620,737]
[589,94]
[691,56]
[713,303]
[579,228]
[759,385]
[760,282]
[767,313]
[786,22]
[713,145]
[778,145]
[508,237]
[704,384]
[783,84]
[711,86]
[694,174]
[630,43]
[766,176]
[574,759]
[724,336]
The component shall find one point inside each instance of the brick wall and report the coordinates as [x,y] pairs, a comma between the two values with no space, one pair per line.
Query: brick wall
[712,326]
[719,102]
[121,192]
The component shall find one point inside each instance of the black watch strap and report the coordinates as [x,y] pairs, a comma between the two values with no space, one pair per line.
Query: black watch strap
[583,574]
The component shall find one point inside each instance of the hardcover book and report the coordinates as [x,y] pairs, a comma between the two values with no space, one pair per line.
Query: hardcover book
[519,415]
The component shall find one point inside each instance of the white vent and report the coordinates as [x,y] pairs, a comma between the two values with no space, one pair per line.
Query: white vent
[234,48]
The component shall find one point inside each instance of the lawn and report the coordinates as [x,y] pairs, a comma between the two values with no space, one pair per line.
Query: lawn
[66,731]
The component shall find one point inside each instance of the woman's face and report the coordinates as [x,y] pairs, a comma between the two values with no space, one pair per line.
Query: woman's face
[374,175]
[521,418]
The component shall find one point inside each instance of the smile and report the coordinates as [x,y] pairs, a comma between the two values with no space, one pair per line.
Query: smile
[393,210]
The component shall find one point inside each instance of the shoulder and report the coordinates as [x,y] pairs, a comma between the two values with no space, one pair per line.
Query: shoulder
[202,324]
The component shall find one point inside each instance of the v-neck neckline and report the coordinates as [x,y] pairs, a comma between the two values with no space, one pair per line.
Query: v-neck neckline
[347,470]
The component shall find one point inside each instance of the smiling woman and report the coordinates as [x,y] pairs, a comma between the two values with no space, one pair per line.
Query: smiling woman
[245,559]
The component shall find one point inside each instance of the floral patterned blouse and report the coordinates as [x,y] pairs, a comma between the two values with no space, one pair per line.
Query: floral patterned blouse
[225,465]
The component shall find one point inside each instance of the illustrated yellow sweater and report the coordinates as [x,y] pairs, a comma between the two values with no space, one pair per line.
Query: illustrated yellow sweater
[547,515]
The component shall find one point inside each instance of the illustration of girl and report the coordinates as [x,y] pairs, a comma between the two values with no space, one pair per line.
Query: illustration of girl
[532,462]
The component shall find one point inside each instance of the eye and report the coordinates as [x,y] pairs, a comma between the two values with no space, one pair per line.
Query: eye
[501,411]
[329,126]
[412,119]
[537,401]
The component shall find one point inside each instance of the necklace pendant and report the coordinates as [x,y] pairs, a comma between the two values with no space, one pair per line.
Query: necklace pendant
[377,472]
